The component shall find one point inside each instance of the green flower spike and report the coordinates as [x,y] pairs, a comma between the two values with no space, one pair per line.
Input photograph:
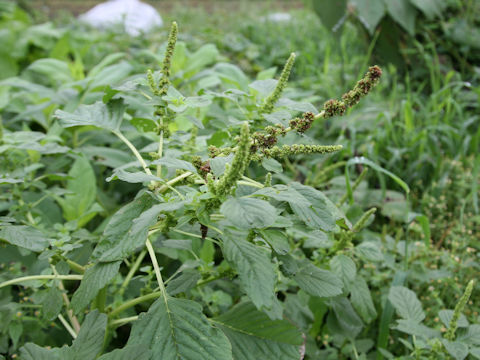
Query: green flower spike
[151,83]
[363,220]
[271,100]
[167,60]
[296,149]
[240,161]
[268,180]
[450,334]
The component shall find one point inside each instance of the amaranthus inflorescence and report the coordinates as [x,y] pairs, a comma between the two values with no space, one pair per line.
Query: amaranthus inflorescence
[264,143]
[272,99]
[162,87]
[452,327]
[234,172]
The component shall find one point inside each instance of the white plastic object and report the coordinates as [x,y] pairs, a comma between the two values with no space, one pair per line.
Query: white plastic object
[135,16]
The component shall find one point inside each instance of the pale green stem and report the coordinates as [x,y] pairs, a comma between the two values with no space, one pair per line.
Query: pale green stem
[169,183]
[75,267]
[134,302]
[134,151]
[195,236]
[252,181]
[160,150]
[40,277]
[251,184]
[132,271]
[71,316]
[67,326]
[120,322]
[153,258]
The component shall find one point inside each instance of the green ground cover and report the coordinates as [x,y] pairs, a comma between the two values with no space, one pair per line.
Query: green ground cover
[204,199]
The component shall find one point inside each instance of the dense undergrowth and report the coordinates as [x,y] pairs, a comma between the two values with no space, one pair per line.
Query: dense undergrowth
[203,210]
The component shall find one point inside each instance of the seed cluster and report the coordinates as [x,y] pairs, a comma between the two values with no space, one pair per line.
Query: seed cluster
[304,123]
[363,87]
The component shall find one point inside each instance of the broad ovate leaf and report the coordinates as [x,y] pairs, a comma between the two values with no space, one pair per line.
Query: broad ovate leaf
[82,189]
[255,269]
[254,335]
[86,346]
[177,329]
[316,281]
[406,303]
[94,279]
[106,116]
[24,236]
[248,213]
[119,240]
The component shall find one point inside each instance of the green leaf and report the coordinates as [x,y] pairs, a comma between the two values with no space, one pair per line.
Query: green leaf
[83,190]
[364,161]
[24,236]
[430,8]
[277,240]
[106,116]
[369,251]
[177,329]
[15,330]
[248,213]
[119,240]
[94,279]
[52,304]
[414,328]
[108,60]
[185,281]
[346,321]
[370,12]
[144,125]
[254,335]
[472,336]
[86,346]
[270,164]
[256,271]
[129,352]
[56,70]
[458,350]
[406,303]
[89,341]
[264,87]
[137,233]
[320,214]
[404,14]
[475,352]
[317,282]
[446,316]
[330,12]
[231,75]
[173,163]
[344,267]
[361,299]
[132,177]
[32,351]
[204,56]
[218,164]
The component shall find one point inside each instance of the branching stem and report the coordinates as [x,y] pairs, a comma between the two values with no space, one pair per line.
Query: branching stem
[40,277]
[134,151]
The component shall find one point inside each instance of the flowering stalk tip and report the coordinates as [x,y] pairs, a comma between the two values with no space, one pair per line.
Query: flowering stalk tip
[452,328]
[271,100]
[234,172]
[167,60]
